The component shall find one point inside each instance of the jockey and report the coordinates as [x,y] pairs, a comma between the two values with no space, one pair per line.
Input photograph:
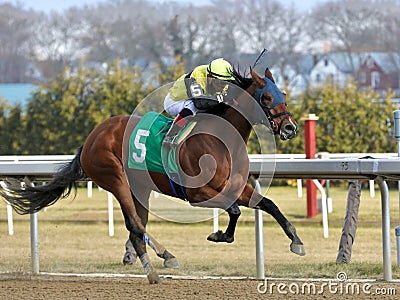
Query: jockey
[181,100]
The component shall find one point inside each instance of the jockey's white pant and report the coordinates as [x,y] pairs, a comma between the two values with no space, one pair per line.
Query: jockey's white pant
[175,107]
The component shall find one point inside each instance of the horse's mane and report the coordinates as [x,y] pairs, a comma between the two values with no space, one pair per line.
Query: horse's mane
[241,81]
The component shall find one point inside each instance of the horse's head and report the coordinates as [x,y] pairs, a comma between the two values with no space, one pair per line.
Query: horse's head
[273,104]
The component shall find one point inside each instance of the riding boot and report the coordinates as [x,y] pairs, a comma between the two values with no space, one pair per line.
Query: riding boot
[179,123]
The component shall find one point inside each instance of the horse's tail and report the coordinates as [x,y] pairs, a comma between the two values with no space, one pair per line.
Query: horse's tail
[29,199]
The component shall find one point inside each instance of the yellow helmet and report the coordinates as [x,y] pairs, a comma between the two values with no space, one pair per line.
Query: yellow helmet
[221,69]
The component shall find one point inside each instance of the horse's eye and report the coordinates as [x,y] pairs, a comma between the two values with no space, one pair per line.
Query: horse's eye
[266,99]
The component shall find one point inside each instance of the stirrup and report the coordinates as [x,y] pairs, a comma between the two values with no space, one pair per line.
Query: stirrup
[171,138]
[170,141]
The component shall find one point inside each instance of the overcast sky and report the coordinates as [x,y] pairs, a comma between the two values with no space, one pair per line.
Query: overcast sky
[49,5]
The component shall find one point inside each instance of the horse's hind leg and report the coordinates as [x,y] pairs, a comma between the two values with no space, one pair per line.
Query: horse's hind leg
[142,205]
[170,261]
[130,255]
[269,206]
[229,235]
[133,223]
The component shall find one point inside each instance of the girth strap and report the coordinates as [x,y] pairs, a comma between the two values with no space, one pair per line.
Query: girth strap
[178,189]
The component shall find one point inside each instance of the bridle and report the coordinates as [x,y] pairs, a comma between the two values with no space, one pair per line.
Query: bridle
[277,95]
[267,117]
[271,116]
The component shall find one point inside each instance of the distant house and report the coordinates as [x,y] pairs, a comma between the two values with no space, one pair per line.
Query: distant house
[14,93]
[380,71]
[295,76]
[377,70]
[340,67]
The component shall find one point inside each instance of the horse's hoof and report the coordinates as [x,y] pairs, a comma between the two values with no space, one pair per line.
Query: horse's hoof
[219,237]
[229,239]
[171,263]
[216,236]
[129,258]
[154,278]
[298,249]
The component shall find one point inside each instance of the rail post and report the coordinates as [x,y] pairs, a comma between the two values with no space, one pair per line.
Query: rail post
[385,203]
[34,229]
[34,242]
[396,117]
[259,232]
[311,149]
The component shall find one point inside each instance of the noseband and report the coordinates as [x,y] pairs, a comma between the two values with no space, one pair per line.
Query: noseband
[271,117]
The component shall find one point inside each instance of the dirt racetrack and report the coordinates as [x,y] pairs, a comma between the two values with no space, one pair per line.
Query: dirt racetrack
[23,286]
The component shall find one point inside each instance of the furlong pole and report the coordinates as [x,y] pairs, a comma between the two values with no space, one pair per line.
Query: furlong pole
[310,125]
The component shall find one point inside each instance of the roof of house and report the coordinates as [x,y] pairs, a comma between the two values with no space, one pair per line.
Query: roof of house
[345,62]
[389,62]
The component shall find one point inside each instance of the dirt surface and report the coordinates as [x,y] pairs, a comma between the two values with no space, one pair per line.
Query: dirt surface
[20,286]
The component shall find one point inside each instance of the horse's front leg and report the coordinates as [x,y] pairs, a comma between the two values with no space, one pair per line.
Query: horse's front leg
[208,197]
[269,206]
[229,235]
[251,198]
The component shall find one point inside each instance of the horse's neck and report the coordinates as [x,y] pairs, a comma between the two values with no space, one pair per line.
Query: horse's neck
[236,115]
[238,121]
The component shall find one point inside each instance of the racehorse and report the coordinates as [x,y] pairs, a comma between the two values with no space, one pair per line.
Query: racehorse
[102,156]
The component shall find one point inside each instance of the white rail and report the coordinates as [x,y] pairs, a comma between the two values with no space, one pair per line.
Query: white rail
[380,169]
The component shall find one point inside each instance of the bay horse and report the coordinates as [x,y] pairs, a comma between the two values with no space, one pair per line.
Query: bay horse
[103,155]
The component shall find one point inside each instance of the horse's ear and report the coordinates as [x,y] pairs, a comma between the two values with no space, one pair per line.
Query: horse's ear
[257,79]
[268,74]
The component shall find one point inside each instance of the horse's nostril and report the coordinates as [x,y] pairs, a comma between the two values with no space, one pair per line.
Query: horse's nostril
[289,128]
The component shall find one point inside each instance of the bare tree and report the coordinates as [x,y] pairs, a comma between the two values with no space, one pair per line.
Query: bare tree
[130,30]
[260,24]
[55,40]
[224,27]
[389,37]
[195,29]
[269,24]
[144,31]
[15,33]
[349,25]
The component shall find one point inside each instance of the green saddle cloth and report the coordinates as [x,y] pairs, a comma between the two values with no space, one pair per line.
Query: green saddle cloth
[145,151]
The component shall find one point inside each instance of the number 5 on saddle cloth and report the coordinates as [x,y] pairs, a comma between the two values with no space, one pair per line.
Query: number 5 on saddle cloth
[147,154]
